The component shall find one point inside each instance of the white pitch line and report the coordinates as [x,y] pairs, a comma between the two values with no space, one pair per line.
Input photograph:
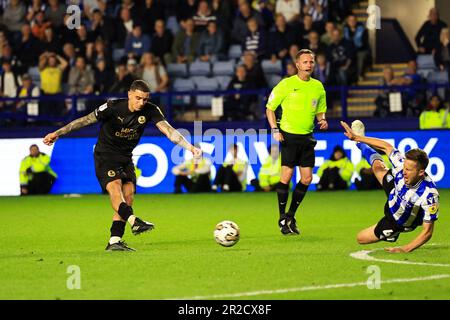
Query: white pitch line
[364,255]
[310,288]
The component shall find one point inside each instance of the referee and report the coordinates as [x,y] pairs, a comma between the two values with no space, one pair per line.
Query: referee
[302,100]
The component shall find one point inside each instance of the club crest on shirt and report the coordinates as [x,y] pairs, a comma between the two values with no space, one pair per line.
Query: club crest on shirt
[111,173]
[434,208]
[141,119]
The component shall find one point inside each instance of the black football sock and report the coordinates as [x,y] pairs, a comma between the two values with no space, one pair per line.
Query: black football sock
[117,231]
[125,211]
[297,198]
[283,195]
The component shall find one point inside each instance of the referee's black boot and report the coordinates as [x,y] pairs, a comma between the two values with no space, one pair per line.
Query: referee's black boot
[141,226]
[118,246]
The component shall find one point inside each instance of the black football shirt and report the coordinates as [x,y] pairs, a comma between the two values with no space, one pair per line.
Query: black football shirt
[122,129]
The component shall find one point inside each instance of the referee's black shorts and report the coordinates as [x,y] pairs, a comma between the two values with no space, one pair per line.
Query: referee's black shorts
[298,150]
[110,167]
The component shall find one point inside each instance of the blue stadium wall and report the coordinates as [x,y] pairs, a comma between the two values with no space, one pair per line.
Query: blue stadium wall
[72,158]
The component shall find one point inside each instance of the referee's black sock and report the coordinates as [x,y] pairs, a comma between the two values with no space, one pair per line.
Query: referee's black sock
[283,195]
[297,197]
[117,231]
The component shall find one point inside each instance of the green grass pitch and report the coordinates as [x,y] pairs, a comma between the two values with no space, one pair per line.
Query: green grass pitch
[42,236]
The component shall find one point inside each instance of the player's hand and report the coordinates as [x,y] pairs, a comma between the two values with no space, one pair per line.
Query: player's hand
[323,124]
[196,152]
[395,250]
[50,138]
[277,135]
[348,131]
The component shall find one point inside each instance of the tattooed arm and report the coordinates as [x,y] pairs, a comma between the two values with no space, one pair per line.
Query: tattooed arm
[176,137]
[74,125]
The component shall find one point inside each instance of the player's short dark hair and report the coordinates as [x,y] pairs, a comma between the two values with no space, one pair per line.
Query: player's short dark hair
[419,156]
[140,85]
[302,52]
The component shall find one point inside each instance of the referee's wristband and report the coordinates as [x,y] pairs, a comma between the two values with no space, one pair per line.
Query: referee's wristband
[275,130]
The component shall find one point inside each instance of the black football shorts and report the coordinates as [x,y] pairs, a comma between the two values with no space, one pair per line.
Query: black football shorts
[110,167]
[298,150]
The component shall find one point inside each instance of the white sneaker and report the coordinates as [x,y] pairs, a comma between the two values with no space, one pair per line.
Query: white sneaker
[226,187]
[214,187]
[358,128]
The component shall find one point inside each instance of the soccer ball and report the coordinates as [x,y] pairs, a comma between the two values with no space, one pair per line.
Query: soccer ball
[227,233]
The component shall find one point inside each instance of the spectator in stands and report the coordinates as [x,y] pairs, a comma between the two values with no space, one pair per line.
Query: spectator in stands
[293,50]
[135,8]
[255,73]
[266,9]
[154,73]
[341,54]
[232,175]
[203,16]
[291,69]
[186,9]
[27,90]
[193,175]
[39,25]
[269,174]
[238,106]
[289,9]
[9,82]
[102,27]
[185,44]
[305,28]
[51,68]
[435,116]
[11,57]
[123,80]
[104,77]
[55,13]
[327,37]
[382,101]
[281,39]
[28,49]
[162,40]
[14,16]
[67,33]
[124,27]
[81,78]
[427,39]
[410,78]
[322,70]
[36,175]
[137,43]
[339,9]
[367,179]
[82,40]
[317,9]
[33,9]
[356,32]
[222,10]
[100,50]
[211,44]
[255,39]
[51,43]
[314,43]
[153,11]
[442,53]
[245,12]
[336,173]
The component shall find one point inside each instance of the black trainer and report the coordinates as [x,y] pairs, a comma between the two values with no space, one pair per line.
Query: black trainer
[292,224]
[141,226]
[119,246]
[283,224]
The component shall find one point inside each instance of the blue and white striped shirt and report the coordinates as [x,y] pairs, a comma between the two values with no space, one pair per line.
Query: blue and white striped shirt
[407,203]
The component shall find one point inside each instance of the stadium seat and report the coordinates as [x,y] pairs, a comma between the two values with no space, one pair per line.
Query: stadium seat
[118,53]
[439,77]
[271,68]
[172,24]
[199,68]
[223,81]
[425,73]
[235,51]
[177,70]
[425,61]
[272,80]
[223,68]
[34,74]
[205,84]
[182,85]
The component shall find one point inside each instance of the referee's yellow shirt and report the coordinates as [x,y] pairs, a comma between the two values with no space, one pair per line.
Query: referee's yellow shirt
[300,101]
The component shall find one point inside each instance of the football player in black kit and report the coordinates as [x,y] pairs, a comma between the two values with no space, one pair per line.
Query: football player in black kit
[122,124]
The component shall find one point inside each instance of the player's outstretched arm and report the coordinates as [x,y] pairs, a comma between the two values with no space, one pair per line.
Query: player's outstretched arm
[421,239]
[373,142]
[74,125]
[176,137]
